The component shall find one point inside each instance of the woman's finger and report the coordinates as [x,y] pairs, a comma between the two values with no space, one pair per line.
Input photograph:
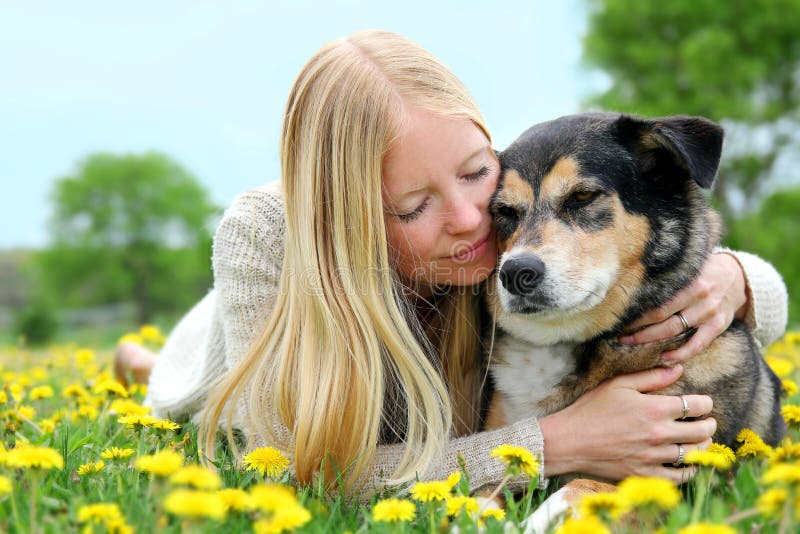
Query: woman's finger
[678,475]
[681,300]
[690,431]
[699,342]
[695,406]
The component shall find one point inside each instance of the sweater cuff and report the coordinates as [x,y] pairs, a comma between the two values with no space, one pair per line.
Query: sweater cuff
[767,299]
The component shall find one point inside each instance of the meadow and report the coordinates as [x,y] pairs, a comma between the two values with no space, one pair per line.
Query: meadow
[79,453]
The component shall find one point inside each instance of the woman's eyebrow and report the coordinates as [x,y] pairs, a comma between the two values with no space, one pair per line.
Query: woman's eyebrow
[475,154]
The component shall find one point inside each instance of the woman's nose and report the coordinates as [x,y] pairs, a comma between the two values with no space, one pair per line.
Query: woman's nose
[464,217]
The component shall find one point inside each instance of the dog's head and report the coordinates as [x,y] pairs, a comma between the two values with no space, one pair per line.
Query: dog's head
[600,216]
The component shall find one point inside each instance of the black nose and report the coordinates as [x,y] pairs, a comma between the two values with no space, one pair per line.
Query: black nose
[520,275]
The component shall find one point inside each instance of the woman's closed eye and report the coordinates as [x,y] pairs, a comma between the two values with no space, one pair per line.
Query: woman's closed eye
[483,172]
[411,215]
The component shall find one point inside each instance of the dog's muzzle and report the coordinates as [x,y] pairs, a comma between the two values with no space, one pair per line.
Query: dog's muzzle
[521,274]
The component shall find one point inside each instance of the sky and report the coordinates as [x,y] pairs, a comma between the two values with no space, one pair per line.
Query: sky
[206,82]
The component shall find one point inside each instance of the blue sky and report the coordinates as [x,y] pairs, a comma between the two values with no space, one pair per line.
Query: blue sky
[206,81]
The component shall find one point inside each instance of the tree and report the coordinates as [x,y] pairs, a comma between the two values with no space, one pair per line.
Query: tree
[735,62]
[130,227]
[772,232]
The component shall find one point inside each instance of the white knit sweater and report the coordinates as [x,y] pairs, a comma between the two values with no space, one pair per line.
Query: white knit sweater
[247,259]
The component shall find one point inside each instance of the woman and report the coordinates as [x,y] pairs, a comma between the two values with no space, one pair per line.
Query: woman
[344,323]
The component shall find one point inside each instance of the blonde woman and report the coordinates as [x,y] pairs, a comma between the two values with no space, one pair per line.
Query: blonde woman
[345,322]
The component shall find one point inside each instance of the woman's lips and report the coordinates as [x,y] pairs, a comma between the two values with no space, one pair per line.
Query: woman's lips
[472,253]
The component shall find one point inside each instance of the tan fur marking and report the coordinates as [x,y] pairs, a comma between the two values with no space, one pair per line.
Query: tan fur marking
[580,487]
[722,357]
[516,190]
[496,418]
[560,178]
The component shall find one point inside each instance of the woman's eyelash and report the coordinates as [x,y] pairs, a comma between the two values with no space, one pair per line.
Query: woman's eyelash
[408,217]
[482,172]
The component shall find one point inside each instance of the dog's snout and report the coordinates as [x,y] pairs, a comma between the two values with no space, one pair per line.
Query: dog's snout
[520,275]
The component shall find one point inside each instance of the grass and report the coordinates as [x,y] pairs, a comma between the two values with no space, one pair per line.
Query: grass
[64,400]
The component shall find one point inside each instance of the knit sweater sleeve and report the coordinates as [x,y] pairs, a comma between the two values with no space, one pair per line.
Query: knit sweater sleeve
[247,260]
[767,298]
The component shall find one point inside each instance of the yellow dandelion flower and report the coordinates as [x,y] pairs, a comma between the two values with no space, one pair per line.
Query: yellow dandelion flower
[436,490]
[162,463]
[517,459]
[771,502]
[392,510]
[41,392]
[91,468]
[128,407]
[707,528]
[110,387]
[115,453]
[26,412]
[583,525]
[717,456]
[613,505]
[272,497]
[196,476]
[39,374]
[118,526]
[789,387]
[131,338]
[267,461]
[781,474]
[780,366]
[84,356]
[74,391]
[165,424]
[17,391]
[34,457]
[48,426]
[791,413]
[752,444]
[788,452]
[152,334]
[455,504]
[454,479]
[5,486]
[101,512]
[236,499]
[87,411]
[643,491]
[193,503]
[137,421]
[494,513]
[3,396]
[289,518]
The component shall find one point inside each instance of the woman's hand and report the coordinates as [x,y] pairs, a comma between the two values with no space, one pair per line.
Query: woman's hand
[616,430]
[709,304]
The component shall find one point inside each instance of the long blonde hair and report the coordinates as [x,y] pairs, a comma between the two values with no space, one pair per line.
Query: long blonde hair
[341,336]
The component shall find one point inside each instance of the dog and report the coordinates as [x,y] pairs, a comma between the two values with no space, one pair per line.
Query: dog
[600,217]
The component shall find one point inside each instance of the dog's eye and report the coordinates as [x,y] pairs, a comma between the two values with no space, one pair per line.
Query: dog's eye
[582,197]
[507,212]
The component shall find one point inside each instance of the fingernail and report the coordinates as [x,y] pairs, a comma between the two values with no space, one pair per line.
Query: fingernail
[666,359]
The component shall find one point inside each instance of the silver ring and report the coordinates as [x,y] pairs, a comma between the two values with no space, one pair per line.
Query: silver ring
[681,452]
[685,410]
[684,322]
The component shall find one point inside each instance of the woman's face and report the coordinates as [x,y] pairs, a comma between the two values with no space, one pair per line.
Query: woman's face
[438,178]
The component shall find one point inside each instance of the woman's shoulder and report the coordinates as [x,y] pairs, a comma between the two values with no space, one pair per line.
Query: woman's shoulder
[264,201]
[254,221]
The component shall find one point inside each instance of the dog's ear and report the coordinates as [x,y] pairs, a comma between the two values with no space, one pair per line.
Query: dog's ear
[694,144]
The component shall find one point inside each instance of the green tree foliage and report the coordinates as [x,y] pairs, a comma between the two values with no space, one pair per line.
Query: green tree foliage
[731,61]
[773,232]
[129,227]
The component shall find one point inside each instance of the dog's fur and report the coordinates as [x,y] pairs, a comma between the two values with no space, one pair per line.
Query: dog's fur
[601,217]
